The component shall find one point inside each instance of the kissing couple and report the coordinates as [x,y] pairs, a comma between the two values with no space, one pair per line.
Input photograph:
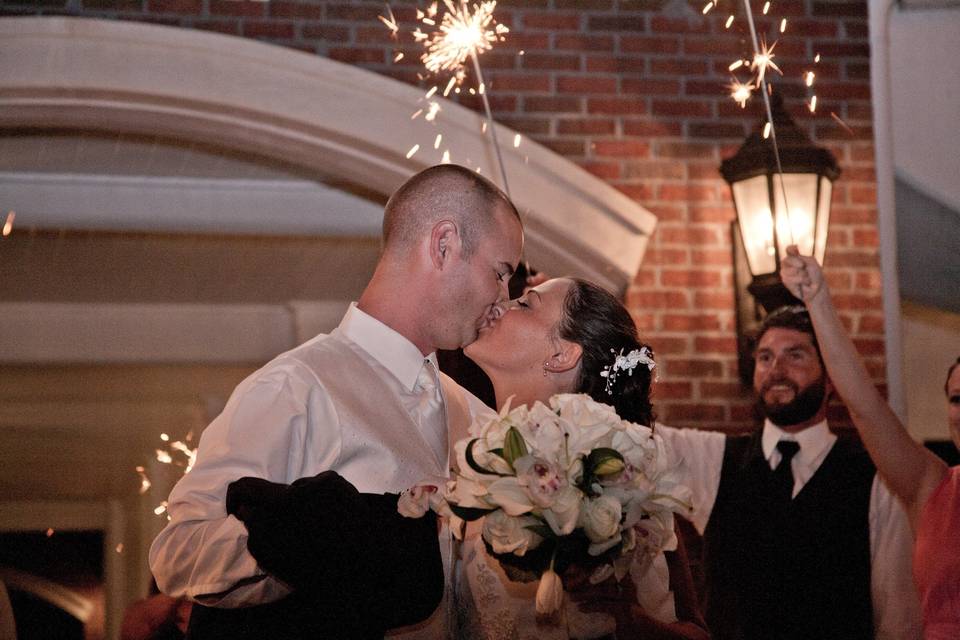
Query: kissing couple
[287,525]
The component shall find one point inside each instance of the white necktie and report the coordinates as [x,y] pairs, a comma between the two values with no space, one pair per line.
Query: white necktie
[433,423]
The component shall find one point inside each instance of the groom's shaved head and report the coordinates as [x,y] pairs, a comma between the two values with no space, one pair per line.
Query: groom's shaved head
[443,192]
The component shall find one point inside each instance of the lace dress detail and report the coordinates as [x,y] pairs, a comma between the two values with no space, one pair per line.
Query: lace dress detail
[490,606]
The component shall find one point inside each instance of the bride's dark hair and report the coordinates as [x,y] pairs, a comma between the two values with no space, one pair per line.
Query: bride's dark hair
[598,322]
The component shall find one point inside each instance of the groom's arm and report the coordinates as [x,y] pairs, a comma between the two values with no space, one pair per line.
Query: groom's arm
[278,425]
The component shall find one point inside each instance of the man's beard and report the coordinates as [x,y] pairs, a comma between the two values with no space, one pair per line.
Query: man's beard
[805,404]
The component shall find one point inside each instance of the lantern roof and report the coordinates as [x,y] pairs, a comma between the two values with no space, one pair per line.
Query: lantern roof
[797,153]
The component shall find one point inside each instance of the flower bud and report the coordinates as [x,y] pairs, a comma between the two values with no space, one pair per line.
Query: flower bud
[549,593]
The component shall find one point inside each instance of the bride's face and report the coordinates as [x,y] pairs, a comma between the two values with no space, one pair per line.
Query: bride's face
[523,337]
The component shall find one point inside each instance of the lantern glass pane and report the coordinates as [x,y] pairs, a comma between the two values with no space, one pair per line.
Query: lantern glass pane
[795,225]
[756,223]
[823,218]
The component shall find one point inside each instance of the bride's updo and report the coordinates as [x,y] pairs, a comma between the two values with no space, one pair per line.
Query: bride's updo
[601,325]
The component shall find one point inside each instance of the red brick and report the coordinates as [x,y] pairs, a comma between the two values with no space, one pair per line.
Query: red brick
[623,148]
[698,412]
[529,126]
[715,130]
[665,24]
[839,281]
[863,238]
[678,66]
[616,23]
[552,104]
[850,258]
[672,390]
[594,126]
[656,299]
[586,84]
[685,150]
[690,278]
[654,169]
[863,195]
[682,108]
[230,27]
[355,13]
[725,390]
[549,62]
[246,8]
[691,322]
[581,42]
[353,54]
[719,301]
[649,44]
[869,280]
[667,213]
[552,21]
[335,33]
[687,192]
[184,7]
[604,170]
[716,257]
[688,235]
[285,9]
[513,82]
[870,346]
[568,148]
[712,214]
[663,345]
[694,368]
[704,344]
[615,106]
[267,29]
[651,128]
[637,192]
[674,257]
[647,86]
[856,302]
[871,325]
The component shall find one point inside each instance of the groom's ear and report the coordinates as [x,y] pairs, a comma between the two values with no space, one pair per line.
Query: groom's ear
[566,357]
[444,240]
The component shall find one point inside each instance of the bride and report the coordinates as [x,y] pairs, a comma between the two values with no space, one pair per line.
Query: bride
[558,338]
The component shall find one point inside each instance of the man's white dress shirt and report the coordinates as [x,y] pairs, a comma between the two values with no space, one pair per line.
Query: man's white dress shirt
[896,609]
[346,401]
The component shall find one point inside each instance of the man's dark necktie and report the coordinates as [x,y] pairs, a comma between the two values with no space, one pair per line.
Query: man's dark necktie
[782,479]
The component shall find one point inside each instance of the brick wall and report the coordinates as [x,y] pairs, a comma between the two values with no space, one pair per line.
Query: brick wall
[632,90]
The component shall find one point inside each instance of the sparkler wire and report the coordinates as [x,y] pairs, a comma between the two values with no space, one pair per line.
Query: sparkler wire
[490,126]
[773,129]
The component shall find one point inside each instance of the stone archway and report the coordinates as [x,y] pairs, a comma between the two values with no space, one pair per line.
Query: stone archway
[262,99]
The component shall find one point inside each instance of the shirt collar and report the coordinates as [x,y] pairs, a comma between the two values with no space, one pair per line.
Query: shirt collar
[813,440]
[397,354]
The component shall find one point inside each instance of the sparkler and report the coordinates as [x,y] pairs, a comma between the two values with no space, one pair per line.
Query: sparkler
[762,58]
[177,454]
[8,225]
[463,32]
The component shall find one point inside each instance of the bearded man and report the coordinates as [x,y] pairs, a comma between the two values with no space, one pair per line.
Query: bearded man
[802,539]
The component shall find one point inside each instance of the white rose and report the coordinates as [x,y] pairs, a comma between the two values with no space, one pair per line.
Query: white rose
[600,519]
[507,534]
[549,593]
[542,479]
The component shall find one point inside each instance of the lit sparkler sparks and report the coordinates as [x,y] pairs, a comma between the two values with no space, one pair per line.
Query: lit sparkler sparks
[390,22]
[461,33]
[740,92]
[178,453]
[762,60]
[8,225]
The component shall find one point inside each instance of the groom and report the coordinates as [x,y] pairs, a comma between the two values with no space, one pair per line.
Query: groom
[366,401]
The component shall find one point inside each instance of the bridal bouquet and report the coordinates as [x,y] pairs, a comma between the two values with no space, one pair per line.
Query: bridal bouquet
[567,481]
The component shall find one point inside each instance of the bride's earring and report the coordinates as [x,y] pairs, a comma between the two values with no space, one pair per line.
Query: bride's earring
[545,369]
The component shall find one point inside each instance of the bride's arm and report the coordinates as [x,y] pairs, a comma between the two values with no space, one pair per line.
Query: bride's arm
[910,470]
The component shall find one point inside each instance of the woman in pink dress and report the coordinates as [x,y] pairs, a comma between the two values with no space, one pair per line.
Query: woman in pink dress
[929,490]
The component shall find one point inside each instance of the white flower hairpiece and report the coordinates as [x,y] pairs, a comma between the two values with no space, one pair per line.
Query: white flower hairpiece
[627,363]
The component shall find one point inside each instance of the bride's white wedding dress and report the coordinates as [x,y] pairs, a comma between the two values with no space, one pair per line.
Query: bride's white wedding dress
[490,606]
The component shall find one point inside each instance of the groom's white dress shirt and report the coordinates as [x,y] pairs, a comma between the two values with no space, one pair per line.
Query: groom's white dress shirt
[347,401]
[896,610]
